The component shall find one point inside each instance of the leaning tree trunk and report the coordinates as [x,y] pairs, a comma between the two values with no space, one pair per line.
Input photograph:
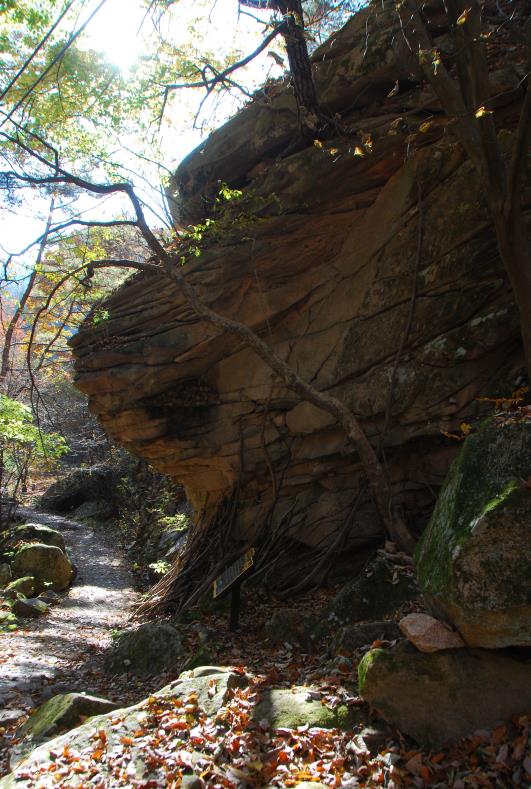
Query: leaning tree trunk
[300,65]
[292,31]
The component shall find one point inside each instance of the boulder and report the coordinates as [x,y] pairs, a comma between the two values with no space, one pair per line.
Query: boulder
[377,593]
[60,713]
[210,692]
[149,649]
[37,532]
[31,607]
[473,562]
[80,485]
[94,510]
[21,586]
[441,697]
[320,258]
[355,637]
[287,708]
[48,564]
[429,634]
[288,625]
[5,574]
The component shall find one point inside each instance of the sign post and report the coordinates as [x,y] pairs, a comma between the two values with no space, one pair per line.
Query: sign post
[231,579]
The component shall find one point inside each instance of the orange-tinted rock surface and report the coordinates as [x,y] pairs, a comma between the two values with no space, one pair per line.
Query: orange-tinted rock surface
[342,249]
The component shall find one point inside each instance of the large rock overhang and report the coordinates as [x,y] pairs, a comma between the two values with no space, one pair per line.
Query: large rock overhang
[342,249]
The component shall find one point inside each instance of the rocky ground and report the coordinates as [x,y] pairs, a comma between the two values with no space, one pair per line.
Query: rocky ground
[358,685]
[56,652]
[279,717]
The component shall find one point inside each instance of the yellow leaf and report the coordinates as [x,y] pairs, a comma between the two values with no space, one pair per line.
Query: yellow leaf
[482,112]
[333,151]
[463,17]
[424,127]
[394,90]
[318,143]
[358,151]
[465,428]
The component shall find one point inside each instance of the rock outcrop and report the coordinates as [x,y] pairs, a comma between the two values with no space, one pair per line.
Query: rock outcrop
[148,649]
[205,694]
[372,270]
[473,559]
[46,564]
[57,715]
[440,697]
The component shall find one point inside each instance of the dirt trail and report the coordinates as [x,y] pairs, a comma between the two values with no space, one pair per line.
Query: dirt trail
[53,649]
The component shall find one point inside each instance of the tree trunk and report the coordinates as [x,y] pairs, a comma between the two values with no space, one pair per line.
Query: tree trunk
[300,65]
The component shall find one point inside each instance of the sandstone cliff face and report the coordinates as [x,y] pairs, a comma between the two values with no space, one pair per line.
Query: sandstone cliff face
[363,272]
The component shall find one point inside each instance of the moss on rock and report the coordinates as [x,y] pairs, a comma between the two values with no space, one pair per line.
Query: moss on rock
[472,561]
[46,563]
[373,595]
[443,696]
[148,649]
[289,708]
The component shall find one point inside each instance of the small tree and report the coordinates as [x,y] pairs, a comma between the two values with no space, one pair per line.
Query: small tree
[22,443]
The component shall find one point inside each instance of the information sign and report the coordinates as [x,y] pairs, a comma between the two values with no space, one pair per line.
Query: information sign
[233,573]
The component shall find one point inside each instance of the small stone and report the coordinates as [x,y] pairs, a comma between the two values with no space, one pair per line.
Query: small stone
[50,597]
[22,586]
[9,717]
[429,634]
[288,625]
[376,594]
[192,782]
[31,608]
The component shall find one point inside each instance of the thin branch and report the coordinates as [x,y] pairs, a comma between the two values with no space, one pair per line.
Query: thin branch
[55,60]
[36,51]
[205,83]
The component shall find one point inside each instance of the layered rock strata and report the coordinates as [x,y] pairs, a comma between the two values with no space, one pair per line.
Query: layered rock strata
[371,268]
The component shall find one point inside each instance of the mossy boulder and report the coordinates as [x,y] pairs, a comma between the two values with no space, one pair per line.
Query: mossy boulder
[48,564]
[21,586]
[211,688]
[289,625]
[149,649]
[60,713]
[473,561]
[37,532]
[30,608]
[443,696]
[288,708]
[376,594]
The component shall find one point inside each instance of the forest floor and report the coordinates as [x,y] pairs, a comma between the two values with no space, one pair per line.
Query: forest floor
[64,651]
[58,653]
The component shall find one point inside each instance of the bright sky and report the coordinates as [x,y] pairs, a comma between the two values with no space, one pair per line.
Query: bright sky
[122,32]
